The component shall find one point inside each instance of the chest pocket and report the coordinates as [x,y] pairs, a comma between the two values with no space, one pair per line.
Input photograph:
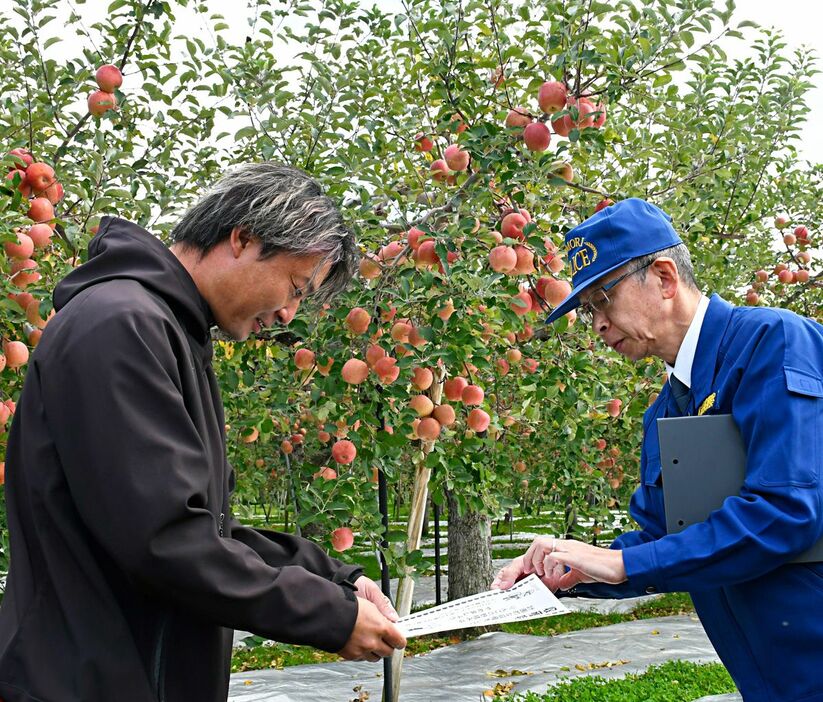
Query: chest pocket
[805,387]
[803,383]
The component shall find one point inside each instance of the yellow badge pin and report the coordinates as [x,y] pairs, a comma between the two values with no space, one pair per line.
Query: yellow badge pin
[707,404]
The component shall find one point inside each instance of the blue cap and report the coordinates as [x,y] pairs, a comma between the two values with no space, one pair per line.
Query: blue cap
[611,238]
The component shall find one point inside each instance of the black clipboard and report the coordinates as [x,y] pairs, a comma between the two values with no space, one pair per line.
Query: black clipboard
[703,461]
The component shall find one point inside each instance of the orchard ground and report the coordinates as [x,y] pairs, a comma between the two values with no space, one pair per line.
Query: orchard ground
[491,658]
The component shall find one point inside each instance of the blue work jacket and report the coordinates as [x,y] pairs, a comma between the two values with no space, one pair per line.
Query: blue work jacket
[763,615]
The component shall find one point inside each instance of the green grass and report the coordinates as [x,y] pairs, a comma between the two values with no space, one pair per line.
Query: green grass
[258,656]
[280,656]
[674,681]
[668,605]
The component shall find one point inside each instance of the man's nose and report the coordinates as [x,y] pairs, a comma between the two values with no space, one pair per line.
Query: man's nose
[286,314]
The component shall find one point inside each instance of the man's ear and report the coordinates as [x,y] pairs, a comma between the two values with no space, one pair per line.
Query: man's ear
[239,240]
[666,270]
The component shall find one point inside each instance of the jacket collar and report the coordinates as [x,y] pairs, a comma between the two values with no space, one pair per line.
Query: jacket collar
[717,319]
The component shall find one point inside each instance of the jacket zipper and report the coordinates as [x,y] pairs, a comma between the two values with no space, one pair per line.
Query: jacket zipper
[159,663]
[220,524]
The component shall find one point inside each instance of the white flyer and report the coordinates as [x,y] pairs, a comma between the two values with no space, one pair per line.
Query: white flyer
[527,599]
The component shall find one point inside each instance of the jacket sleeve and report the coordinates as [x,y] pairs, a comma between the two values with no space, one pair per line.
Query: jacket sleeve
[278,549]
[778,407]
[645,509]
[139,476]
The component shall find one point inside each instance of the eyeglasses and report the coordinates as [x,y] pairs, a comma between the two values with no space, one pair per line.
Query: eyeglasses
[599,300]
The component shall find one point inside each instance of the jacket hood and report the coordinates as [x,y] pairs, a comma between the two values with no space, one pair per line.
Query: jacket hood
[124,250]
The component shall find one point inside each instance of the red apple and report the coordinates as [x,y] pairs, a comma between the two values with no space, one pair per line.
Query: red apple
[439,169]
[502,259]
[391,253]
[422,143]
[536,136]
[22,157]
[422,405]
[525,261]
[401,331]
[802,234]
[39,176]
[19,275]
[530,365]
[354,371]
[456,158]
[585,113]
[358,320]
[100,102]
[41,210]
[413,238]
[344,452]
[426,254]
[108,78]
[17,354]
[304,359]
[521,304]
[478,420]
[563,126]
[22,186]
[453,388]
[518,117]
[444,414]
[326,473]
[369,267]
[563,170]
[552,96]
[422,378]
[512,225]
[342,539]
[386,370]
[457,123]
[428,429]
[472,395]
[22,248]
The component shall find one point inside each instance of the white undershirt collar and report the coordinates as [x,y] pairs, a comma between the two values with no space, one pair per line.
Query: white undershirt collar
[685,354]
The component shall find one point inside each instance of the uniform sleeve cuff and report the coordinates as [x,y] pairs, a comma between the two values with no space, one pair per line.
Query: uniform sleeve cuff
[642,569]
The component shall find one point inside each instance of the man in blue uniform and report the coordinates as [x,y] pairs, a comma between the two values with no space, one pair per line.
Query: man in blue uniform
[634,282]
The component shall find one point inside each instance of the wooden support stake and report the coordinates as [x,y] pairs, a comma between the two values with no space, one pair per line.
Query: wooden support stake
[405,588]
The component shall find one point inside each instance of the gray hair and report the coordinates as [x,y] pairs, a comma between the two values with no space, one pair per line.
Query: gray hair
[282,207]
[681,257]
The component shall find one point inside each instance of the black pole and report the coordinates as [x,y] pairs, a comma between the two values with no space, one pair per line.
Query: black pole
[436,552]
[383,503]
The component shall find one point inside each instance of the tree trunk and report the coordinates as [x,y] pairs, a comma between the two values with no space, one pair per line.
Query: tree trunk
[470,561]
